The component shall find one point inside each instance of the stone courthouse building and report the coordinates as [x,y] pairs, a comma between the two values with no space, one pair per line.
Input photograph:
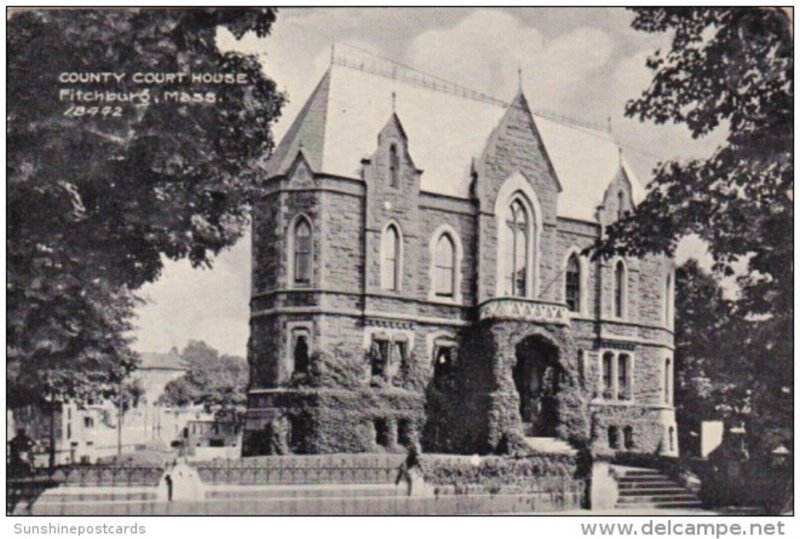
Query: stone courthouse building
[418,276]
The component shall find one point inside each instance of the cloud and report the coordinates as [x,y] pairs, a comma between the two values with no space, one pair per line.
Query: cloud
[486,48]
[631,76]
[482,51]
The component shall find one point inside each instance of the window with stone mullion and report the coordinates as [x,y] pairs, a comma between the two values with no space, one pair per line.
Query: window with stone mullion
[517,250]
[302,253]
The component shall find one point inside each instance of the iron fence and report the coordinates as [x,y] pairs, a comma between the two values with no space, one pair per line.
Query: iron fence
[92,475]
[297,470]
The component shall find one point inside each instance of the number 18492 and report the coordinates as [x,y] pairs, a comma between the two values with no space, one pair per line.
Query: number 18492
[81,111]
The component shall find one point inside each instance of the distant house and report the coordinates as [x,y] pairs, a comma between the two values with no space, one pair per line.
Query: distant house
[157,370]
[86,433]
[211,433]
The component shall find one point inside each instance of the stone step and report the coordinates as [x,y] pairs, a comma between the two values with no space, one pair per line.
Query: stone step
[645,478]
[661,505]
[651,489]
[658,498]
[654,484]
[642,473]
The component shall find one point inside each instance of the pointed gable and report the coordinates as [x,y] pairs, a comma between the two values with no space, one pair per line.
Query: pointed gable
[393,130]
[515,146]
[300,173]
[339,124]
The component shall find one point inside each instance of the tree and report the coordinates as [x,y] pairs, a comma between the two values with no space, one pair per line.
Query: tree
[96,202]
[133,394]
[710,378]
[727,68]
[217,382]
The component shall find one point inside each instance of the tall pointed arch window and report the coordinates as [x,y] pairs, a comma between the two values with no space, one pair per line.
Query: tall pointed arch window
[394,167]
[302,252]
[619,290]
[390,259]
[444,267]
[620,205]
[572,292]
[668,301]
[516,251]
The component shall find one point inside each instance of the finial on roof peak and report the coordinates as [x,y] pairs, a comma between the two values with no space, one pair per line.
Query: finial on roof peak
[519,77]
[333,45]
[394,102]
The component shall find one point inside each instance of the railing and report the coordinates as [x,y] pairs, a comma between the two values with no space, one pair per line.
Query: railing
[93,475]
[541,473]
[306,469]
[528,310]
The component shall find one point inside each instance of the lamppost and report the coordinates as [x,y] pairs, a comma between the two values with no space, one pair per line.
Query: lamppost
[119,419]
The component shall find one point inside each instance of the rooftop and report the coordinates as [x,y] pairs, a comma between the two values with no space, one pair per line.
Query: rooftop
[168,361]
[446,127]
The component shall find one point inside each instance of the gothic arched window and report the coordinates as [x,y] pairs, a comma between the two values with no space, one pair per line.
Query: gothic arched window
[394,167]
[516,251]
[302,252]
[390,259]
[572,292]
[668,300]
[620,205]
[444,267]
[619,290]
[300,350]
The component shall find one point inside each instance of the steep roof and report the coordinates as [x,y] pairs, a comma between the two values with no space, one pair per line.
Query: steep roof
[340,122]
[169,361]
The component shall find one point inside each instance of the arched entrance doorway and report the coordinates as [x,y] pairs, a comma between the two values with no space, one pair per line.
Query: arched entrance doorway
[537,376]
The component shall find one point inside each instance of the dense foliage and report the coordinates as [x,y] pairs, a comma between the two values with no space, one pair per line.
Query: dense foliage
[541,471]
[217,382]
[96,203]
[728,68]
[708,365]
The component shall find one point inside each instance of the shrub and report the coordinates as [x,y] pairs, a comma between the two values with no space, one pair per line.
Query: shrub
[542,472]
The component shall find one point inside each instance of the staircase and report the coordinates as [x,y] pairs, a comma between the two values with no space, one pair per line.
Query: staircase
[642,488]
[543,444]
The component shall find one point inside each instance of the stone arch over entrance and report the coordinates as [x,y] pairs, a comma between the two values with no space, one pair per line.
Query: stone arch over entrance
[552,353]
[538,378]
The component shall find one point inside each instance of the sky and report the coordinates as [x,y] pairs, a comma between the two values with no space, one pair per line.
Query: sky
[583,63]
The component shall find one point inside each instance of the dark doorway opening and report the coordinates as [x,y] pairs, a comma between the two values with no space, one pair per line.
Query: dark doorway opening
[537,376]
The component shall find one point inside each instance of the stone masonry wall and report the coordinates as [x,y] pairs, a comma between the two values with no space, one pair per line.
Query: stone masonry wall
[478,410]
[515,146]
